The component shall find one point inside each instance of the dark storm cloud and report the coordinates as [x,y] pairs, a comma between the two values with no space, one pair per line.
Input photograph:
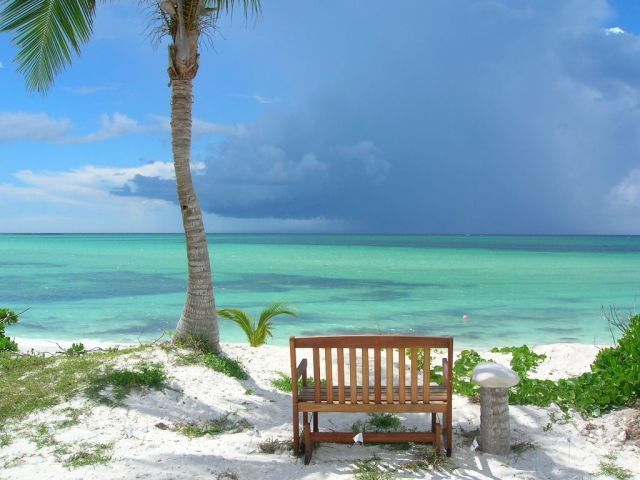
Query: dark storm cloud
[477,116]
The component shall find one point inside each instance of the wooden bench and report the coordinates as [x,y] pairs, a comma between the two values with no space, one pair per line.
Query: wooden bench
[371,378]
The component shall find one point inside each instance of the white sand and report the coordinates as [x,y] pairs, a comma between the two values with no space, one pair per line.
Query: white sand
[569,449]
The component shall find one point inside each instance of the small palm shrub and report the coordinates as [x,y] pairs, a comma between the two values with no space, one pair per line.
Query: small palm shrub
[257,331]
[7,317]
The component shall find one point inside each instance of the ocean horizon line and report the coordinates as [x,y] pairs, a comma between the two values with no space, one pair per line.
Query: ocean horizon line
[341,234]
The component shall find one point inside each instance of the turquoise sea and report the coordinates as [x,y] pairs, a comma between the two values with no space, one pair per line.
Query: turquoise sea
[514,289]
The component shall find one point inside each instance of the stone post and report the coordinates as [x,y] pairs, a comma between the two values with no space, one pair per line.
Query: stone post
[494,380]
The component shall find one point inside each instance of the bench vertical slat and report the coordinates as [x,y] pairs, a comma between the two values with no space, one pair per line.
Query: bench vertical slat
[365,375]
[426,392]
[414,375]
[402,375]
[340,374]
[389,375]
[328,365]
[353,375]
[377,374]
[316,372]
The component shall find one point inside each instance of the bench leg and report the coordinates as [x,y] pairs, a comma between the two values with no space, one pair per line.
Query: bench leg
[315,421]
[308,444]
[438,440]
[434,419]
[296,431]
[448,425]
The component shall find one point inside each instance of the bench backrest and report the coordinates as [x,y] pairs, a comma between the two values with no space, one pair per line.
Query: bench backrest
[373,362]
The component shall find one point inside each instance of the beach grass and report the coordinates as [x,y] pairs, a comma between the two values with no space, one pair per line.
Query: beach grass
[609,468]
[144,375]
[33,382]
[90,454]
[283,382]
[272,445]
[219,363]
[214,427]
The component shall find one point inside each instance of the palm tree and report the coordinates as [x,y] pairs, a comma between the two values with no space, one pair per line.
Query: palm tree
[46,34]
[257,332]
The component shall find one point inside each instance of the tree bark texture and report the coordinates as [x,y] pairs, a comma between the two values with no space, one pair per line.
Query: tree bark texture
[198,321]
[495,432]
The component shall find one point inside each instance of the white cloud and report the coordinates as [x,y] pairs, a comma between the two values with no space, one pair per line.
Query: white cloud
[90,89]
[80,200]
[1,65]
[614,31]
[261,99]
[113,126]
[627,193]
[370,156]
[42,127]
[266,100]
[76,186]
[199,127]
[33,126]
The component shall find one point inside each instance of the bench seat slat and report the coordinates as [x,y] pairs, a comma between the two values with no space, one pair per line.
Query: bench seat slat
[433,407]
[437,393]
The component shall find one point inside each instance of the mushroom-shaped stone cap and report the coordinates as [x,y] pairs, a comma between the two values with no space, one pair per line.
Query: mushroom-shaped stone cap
[494,375]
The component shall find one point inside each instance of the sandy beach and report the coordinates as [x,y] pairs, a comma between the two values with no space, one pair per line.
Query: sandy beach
[143,444]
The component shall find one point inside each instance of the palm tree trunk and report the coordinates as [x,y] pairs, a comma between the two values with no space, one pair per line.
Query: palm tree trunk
[198,322]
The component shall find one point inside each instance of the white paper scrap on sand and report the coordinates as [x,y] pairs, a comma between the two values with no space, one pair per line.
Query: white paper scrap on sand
[474,445]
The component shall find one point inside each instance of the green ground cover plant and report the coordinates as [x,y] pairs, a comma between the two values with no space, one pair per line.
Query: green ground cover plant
[372,469]
[144,375]
[33,382]
[425,459]
[219,363]
[90,454]
[383,422]
[428,459]
[72,417]
[612,382]
[217,426]
[42,436]
[76,349]
[462,370]
[283,382]
[609,468]
[273,445]
[7,317]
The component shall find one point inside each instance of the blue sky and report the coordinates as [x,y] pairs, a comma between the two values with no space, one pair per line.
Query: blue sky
[474,116]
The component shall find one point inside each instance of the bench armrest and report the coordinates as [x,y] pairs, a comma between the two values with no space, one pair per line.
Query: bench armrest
[301,371]
[445,369]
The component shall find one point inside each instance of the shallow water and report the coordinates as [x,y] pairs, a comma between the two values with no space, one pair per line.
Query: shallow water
[513,289]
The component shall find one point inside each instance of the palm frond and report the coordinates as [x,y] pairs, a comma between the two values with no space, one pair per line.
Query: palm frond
[243,320]
[275,309]
[250,8]
[265,324]
[263,330]
[46,33]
